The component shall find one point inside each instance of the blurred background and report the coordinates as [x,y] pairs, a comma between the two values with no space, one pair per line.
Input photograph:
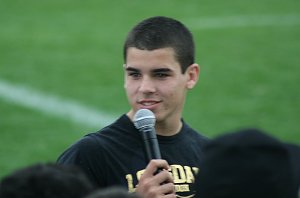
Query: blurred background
[61,69]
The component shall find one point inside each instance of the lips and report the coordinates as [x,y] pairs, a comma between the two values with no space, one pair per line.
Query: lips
[148,103]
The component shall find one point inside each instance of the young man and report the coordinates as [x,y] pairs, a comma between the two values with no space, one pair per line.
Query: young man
[159,69]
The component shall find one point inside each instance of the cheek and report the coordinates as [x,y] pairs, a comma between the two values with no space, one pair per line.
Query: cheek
[130,88]
[175,93]
[173,89]
[170,92]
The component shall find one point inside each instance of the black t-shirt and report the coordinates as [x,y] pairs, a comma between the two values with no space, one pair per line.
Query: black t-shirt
[115,155]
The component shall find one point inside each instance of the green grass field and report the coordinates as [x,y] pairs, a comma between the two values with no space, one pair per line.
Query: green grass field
[248,52]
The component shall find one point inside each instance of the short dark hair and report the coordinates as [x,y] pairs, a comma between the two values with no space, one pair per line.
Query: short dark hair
[46,181]
[162,32]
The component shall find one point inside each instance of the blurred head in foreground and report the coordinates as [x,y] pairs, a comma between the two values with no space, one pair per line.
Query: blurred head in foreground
[45,181]
[113,192]
[248,164]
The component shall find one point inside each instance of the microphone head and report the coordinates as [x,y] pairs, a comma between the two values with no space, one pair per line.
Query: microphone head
[144,118]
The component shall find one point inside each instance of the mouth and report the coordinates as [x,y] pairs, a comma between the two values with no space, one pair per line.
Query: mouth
[148,104]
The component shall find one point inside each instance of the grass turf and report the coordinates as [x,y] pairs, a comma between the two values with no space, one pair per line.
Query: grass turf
[73,49]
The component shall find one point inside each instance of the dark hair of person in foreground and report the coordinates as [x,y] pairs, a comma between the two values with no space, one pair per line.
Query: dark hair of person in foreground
[46,181]
[249,164]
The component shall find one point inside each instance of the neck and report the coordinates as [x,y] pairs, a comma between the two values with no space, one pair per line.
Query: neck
[165,128]
[168,129]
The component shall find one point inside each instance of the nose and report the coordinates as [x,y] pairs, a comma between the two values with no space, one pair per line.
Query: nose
[147,85]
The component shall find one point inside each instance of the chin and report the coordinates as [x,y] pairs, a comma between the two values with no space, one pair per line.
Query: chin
[158,117]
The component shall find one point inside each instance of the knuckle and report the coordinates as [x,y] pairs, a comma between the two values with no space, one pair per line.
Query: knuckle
[152,192]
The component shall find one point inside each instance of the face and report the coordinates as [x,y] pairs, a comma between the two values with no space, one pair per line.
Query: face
[154,81]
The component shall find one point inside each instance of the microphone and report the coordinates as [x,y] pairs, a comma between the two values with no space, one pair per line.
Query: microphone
[144,121]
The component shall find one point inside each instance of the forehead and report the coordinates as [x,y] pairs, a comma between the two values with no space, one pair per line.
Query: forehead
[163,57]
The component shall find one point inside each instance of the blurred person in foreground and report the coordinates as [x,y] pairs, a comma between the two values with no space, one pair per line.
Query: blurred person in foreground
[112,192]
[159,69]
[46,181]
[249,164]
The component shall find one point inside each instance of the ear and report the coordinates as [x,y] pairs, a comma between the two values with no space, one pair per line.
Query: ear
[192,73]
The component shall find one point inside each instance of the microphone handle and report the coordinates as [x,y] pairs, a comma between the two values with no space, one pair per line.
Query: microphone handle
[152,149]
[151,143]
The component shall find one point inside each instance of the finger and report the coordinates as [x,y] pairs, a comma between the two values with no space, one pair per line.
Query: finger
[160,191]
[167,188]
[154,165]
[170,196]
[163,177]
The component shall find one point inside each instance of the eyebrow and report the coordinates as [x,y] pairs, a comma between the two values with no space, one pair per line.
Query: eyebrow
[165,70]
[131,69]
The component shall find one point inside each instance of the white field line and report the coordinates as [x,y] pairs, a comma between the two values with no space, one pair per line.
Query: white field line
[52,105]
[243,21]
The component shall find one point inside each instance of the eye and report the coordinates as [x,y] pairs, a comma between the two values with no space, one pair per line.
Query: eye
[134,75]
[161,75]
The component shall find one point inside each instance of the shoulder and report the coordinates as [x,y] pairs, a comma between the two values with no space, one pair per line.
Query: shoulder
[95,144]
[194,133]
[86,145]
[194,136]
[89,142]
[104,135]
